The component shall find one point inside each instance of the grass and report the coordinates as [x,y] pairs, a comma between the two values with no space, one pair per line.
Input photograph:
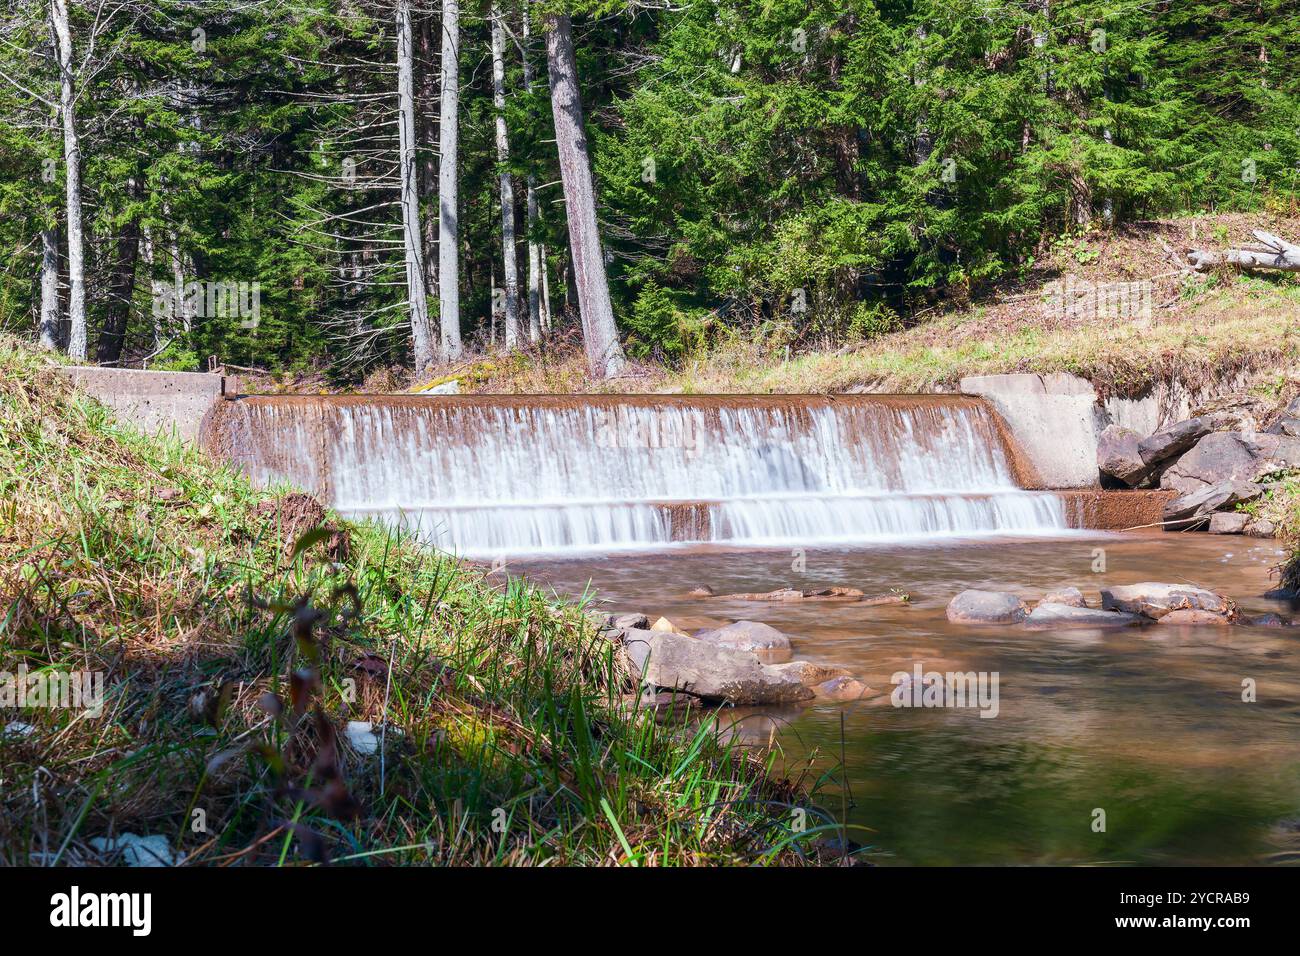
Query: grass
[235,644]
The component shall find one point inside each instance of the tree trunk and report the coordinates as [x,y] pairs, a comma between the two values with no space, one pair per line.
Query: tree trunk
[112,337]
[508,262]
[545,304]
[412,238]
[448,225]
[429,165]
[155,285]
[536,262]
[49,317]
[600,335]
[72,164]
[1278,254]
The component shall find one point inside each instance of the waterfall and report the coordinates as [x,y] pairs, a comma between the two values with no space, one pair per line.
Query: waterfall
[545,474]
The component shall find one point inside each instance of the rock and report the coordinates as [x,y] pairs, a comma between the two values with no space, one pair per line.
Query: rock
[1050,616]
[1228,522]
[753,636]
[986,607]
[1288,425]
[702,591]
[1282,594]
[1069,596]
[1155,600]
[704,670]
[1265,620]
[1118,456]
[1275,452]
[663,624]
[1218,457]
[449,387]
[1193,616]
[791,594]
[881,599]
[629,620]
[361,735]
[806,672]
[841,689]
[1173,440]
[136,850]
[1203,503]
[1259,528]
[16,728]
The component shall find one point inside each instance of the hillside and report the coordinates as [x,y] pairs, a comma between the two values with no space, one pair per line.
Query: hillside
[280,687]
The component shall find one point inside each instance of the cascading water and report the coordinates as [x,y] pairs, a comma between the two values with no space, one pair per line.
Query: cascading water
[505,475]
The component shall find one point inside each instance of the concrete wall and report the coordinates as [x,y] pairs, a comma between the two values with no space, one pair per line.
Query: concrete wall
[155,402]
[1056,419]
[1052,418]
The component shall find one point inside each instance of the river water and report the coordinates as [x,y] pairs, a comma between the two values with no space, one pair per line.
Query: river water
[1147,726]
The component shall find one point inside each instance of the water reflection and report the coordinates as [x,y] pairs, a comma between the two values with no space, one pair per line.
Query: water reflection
[1147,725]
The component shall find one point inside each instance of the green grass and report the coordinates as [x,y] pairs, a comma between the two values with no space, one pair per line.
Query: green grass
[233,661]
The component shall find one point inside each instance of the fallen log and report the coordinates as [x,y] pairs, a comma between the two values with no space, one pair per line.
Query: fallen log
[1277,254]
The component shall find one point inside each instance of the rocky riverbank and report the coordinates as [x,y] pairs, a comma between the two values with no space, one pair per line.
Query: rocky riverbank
[1221,463]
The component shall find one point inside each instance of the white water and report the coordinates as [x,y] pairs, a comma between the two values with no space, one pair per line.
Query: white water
[510,477]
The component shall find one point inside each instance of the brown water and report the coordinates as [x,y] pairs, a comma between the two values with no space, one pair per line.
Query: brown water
[1146,724]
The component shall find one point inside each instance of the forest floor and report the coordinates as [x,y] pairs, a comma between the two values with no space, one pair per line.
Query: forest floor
[283,687]
[1199,328]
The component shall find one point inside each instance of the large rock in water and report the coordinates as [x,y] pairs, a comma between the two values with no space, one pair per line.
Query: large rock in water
[1118,456]
[1070,596]
[986,607]
[1155,600]
[704,670]
[754,636]
[1218,457]
[1203,503]
[1173,440]
[1049,616]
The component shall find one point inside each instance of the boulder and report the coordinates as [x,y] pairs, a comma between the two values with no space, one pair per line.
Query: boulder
[1218,457]
[1071,596]
[1118,456]
[753,636]
[676,662]
[841,690]
[1288,425]
[1275,452]
[629,620]
[1154,600]
[986,607]
[663,624]
[1265,620]
[1173,440]
[1051,616]
[702,591]
[1228,522]
[1203,503]
[1190,616]
[1259,528]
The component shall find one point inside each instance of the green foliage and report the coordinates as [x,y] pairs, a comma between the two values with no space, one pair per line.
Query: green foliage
[853,155]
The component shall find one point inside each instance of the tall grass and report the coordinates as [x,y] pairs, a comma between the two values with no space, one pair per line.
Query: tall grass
[234,649]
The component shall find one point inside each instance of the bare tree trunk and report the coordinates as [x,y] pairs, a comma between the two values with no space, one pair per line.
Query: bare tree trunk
[600,335]
[1277,253]
[508,262]
[412,238]
[545,304]
[49,317]
[429,166]
[536,262]
[448,225]
[72,169]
